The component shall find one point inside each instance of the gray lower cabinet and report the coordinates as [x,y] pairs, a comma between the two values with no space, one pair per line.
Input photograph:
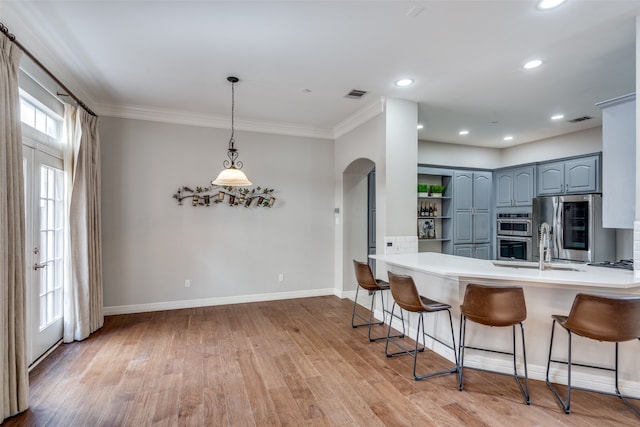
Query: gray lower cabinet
[481,250]
[515,186]
[472,210]
[570,176]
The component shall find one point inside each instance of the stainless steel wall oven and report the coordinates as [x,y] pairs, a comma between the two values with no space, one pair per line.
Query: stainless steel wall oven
[514,240]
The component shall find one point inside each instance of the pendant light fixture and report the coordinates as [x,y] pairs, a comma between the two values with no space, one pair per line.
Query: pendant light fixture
[232,175]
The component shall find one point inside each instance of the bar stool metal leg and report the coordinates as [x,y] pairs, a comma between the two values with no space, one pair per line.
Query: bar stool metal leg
[370,321]
[523,389]
[566,404]
[415,352]
[390,340]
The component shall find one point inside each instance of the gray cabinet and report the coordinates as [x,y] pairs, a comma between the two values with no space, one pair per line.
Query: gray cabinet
[618,161]
[579,175]
[472,210]
[481,250]
[514,187]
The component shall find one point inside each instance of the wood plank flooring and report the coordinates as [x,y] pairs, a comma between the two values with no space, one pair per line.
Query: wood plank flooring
[279,363]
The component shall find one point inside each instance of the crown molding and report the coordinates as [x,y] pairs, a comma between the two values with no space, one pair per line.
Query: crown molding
[359,117]
[209,120]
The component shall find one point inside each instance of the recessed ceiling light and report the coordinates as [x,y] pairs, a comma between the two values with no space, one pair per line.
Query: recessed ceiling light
[420,126]
[508,138]
[404,82]
[557,117]
[535,63]
[549,4]
[463,132]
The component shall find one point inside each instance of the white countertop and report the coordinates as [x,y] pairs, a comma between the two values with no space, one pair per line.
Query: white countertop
[470,268]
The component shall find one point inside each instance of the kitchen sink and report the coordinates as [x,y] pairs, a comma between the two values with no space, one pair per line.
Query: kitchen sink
[534,265]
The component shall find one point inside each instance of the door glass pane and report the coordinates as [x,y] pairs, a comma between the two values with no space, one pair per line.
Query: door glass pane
[576,220]
[51,245]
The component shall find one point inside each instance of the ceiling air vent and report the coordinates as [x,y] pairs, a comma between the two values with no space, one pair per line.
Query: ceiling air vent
[356,94]
[579,119]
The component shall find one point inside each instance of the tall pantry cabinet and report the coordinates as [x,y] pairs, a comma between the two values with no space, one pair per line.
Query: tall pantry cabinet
[472,214]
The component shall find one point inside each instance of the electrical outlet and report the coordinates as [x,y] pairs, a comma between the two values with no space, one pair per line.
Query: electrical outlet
[281,277]
[187,283]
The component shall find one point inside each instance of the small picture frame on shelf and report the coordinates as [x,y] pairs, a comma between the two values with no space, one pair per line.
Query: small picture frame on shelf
[426,228]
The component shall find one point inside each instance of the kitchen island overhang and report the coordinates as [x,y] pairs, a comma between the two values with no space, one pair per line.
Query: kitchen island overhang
[444,278]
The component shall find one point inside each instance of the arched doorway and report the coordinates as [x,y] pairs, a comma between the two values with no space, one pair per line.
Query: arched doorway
[358,232]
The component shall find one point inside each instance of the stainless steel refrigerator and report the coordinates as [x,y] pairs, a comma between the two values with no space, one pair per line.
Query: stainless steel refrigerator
[576,228]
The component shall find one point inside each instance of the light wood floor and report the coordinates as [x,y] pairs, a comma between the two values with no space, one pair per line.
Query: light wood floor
[293,362]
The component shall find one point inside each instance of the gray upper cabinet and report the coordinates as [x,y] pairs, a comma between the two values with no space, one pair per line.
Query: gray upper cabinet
[514,187]
[551,178]
[618,161]
[472,203]
[570,176]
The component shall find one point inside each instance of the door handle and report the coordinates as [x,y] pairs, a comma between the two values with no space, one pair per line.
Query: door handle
[38,266]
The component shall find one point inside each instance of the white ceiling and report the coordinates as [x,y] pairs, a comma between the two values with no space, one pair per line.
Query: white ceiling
[297,59]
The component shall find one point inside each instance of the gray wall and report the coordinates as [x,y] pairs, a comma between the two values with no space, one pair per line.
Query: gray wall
[455,155]
[151,245]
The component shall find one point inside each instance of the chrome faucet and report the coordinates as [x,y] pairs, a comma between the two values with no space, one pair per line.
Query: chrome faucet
[544,248]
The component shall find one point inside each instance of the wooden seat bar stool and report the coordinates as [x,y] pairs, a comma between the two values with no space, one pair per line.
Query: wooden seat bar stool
[406,296]
[366,280]
[499,306]
[610,319]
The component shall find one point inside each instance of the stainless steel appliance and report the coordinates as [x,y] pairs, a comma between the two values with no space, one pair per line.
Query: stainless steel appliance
[515,248]
[576,228]
[514,224]
[626,264]
[514,241]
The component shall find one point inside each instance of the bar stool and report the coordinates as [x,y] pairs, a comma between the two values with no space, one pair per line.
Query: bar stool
[406,296]
[365,279]
[495,306]
[611,319]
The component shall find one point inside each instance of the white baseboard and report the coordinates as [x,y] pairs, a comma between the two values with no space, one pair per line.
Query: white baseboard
[205,302]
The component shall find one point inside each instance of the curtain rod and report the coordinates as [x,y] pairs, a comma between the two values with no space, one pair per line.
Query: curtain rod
[12,37]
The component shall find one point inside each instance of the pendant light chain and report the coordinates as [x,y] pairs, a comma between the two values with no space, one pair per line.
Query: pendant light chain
[233,107]
[232,176]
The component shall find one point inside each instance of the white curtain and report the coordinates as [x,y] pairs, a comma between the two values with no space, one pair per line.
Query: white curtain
[14,379]
[83,291]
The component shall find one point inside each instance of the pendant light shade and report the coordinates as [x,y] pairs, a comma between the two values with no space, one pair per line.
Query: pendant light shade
[232,176]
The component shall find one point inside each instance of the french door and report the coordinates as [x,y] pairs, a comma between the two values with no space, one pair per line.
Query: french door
[44,199]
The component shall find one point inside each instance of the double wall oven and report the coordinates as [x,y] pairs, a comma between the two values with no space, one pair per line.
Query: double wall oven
[514,236]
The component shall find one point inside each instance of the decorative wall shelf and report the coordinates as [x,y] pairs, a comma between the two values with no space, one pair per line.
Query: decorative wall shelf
[232,196]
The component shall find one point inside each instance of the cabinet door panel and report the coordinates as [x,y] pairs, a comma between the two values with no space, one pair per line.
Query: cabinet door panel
[523,186]
[482,251]
[463,191]
[581,175]
[551,178]
[482,190]
[504,188]
[463,227]
[463,250]
[481,227]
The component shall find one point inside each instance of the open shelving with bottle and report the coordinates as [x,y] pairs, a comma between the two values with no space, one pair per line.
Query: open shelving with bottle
[434,211]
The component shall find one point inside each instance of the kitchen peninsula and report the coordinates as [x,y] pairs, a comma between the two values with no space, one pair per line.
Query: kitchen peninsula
[444,277]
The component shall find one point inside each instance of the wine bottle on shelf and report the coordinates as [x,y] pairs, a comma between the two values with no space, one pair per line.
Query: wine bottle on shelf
[435,209]
[430,210]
